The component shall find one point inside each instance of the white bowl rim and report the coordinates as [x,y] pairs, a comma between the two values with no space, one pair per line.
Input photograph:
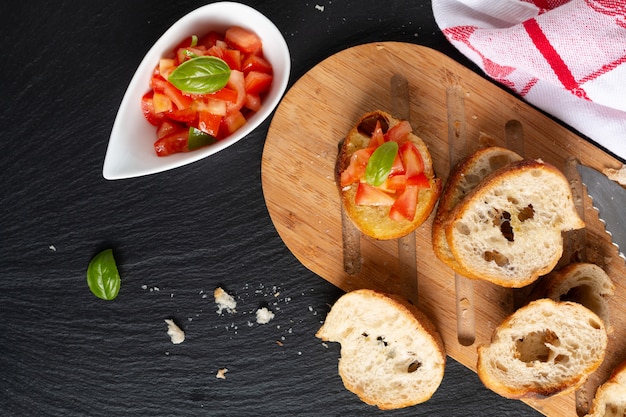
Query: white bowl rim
[124,159]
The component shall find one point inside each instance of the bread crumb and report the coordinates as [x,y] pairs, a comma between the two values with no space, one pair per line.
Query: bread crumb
[175,333]
[264,316]
[221,373]
[617,175]
[224,301]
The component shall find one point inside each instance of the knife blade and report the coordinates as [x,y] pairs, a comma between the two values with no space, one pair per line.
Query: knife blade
[609,198]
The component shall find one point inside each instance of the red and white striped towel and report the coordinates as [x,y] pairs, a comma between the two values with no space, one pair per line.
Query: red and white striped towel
[568,58]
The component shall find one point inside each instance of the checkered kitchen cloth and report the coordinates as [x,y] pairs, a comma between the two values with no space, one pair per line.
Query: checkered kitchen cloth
[568,58]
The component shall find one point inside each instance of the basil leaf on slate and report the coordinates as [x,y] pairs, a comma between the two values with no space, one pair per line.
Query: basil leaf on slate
[380,163]
[102,275]
[197,138]
[201,75]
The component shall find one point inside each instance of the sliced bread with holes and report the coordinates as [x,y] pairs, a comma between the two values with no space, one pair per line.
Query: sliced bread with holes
[583,283]
[543,349]
[398,200]
[391,354]
[465,176]
[508,229]
[610,398]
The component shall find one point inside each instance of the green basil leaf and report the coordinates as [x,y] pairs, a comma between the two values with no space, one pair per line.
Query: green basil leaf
[380,163]
[197,138]
[102,275]
[201,75]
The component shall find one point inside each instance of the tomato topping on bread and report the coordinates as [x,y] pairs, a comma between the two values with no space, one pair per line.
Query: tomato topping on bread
[385,176]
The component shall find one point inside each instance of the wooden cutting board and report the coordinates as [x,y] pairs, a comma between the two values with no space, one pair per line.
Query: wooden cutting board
[449,104]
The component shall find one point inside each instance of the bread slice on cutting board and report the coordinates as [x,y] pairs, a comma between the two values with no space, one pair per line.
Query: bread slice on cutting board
[465,176]
[391,354]
[375,220]
[610,398]
[583,283]
[507,230]
[543,349]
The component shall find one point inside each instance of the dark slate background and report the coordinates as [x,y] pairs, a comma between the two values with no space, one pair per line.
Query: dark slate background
[176,235]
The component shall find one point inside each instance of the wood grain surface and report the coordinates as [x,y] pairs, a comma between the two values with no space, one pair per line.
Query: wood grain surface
[449,105]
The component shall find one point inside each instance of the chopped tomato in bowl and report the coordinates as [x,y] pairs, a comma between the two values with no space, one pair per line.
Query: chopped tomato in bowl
[154,114]
[215,97]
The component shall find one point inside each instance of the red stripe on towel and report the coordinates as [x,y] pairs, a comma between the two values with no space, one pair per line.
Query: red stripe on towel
[550,54]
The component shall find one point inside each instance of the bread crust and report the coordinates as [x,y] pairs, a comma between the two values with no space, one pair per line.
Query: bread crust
[581,282]
[494,193]
[345,324]
[610,398]
[565,332]
[374,221]
[465,176]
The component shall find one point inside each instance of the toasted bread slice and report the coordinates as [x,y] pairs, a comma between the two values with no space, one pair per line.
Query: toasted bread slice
[543,349]
[508,229]
[610,398]
[465,176]
[583,283]
[391,354]
[374,221]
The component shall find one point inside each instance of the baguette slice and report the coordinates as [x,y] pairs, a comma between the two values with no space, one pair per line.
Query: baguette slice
[508,229]
[374,221]
[391,354]
[465,176]
[610,398]
[543,349]
[583,283]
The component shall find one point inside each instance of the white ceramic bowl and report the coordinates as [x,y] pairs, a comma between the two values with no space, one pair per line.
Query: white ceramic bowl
[130,152]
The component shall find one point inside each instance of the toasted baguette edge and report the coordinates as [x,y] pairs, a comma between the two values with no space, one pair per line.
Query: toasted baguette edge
[465,176]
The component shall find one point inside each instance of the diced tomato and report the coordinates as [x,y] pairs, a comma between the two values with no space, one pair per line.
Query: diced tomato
[420,181]
[166,66]
[168,127]
[172,143]
[184,54]
[356,169]
[180,100]
[243,39]
[378,137]
[412,159]
[399,132]
[405,205]
[236,82]
[232,57]
[368,195]
[253,102]
[161,103]
[187,115]
[395,182]
[210,105]
[147,107]
[257,82]
[209,123]
[232,122]
[210,39]
[397,167]
[252,62]
[225,94]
